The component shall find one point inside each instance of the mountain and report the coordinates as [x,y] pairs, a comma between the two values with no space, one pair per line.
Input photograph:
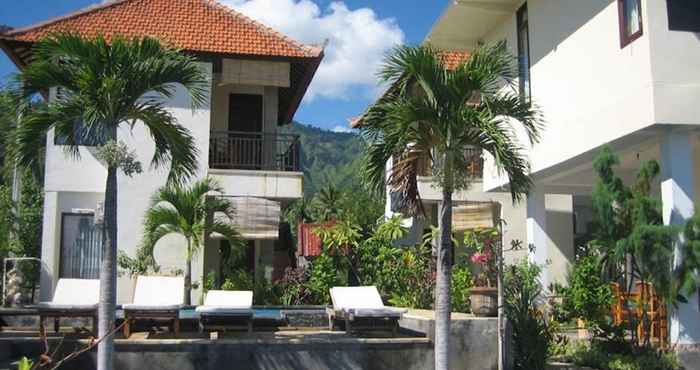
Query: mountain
[328,156]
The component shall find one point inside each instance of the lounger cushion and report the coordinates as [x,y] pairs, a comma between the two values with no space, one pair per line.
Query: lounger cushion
[141,307]
[229,299]
[375,312]
[76,292]
[57,307]
[158,292]
[345,298]
[222,311]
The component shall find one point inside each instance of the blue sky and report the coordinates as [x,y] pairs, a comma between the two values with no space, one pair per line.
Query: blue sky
[359,33]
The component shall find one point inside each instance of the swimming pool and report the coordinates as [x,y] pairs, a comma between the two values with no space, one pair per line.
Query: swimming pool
[258,314]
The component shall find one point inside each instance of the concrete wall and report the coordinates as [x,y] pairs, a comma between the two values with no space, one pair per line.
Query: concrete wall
[674,68]
[135,193]
[592,91]
[55,204]
[79,183]
[263,184]
[473,346]
[560,222]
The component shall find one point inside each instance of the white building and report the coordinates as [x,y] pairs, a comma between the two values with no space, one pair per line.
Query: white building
[258,79]
[622,72]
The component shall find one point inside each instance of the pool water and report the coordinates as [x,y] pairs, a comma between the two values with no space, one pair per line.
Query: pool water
[258,314]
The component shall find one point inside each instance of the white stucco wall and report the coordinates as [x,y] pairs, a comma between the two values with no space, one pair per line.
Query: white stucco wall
[589,89]
[79,183]
[135,193]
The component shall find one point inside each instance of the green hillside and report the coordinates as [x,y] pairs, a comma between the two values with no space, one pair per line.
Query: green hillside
[327,156]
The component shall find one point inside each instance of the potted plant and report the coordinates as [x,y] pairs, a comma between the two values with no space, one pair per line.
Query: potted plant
[481,246]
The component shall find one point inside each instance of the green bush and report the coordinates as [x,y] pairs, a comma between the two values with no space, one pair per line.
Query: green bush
[598,356]
[532,336]
[587,297]
[461,284]
[325,274]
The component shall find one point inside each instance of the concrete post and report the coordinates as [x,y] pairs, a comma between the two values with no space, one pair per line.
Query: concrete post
[537,231]
[677,197]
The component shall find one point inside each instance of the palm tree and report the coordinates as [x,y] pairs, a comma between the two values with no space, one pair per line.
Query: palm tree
[440,113]
[196,213]
[100,87]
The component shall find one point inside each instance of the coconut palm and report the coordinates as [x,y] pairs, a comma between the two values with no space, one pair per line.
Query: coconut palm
[440,113]
[196,213]
[101,86]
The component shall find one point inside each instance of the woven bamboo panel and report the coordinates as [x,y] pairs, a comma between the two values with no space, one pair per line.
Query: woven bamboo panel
[255,72]
[471,216]
[257,218]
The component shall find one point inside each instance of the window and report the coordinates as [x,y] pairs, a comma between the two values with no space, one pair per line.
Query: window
[524,53]
[81,246]
[683,15]
[630,21]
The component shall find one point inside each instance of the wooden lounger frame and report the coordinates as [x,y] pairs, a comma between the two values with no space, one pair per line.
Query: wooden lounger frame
[361,323]
[131,316]
[58,314]
[214,322]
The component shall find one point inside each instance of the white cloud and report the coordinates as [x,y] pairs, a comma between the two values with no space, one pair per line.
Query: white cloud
[358,40]
[339,128]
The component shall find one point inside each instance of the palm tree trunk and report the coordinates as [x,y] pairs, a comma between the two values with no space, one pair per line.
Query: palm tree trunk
[108,274]
[188,274]
[442,286]
[501,302]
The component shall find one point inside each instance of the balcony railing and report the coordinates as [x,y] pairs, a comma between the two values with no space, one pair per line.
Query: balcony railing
[472,156]
[234,150]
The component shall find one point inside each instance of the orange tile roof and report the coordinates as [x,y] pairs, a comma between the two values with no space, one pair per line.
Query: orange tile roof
[453,58]
[193,25]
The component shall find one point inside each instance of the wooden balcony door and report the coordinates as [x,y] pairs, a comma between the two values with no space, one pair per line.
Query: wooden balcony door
[245,123]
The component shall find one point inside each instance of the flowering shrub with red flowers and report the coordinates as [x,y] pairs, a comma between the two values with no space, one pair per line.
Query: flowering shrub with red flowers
[482,246]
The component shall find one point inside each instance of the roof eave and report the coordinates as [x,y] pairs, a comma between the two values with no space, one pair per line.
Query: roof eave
[303,87]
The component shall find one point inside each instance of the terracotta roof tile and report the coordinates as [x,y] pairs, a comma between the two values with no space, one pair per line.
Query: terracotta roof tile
[195,25]
[453,58]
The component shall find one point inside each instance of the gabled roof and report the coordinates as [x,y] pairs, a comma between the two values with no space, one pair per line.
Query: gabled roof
[450,58]
[194,25]
[201,27]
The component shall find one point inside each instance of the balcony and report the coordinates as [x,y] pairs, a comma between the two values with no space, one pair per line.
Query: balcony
[254,151]
[474,170]
[256,164]
[473,158]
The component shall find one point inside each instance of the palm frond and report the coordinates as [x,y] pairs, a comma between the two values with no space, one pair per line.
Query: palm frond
[174,144]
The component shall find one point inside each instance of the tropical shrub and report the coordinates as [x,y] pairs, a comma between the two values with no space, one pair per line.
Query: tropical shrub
[596,355]
[294,289]
[587,296]
[461,283]
[325,275]
[532,335]
[481,247]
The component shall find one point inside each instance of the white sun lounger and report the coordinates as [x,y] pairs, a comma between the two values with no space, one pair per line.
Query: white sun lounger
[72,298]
[156,297]
[361,308]
[224,310]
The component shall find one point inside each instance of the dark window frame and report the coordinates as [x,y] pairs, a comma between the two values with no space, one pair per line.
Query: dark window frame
[523,25]
[626,39]
[61,245]
[683,16]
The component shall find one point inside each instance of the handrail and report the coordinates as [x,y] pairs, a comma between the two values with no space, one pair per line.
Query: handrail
[254,151]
